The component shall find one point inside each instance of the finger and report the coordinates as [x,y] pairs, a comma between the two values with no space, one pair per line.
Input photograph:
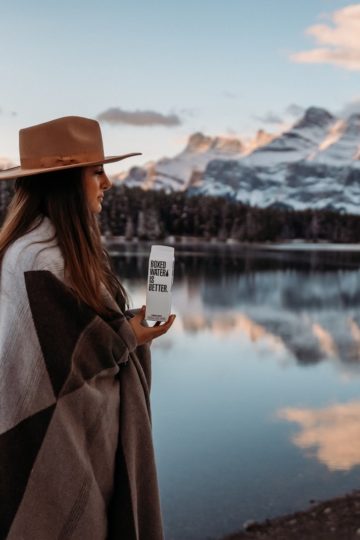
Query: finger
[157,331]
[141,313]
[161,329]
[170,320]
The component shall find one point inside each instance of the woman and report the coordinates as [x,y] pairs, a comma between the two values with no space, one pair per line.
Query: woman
[76,451]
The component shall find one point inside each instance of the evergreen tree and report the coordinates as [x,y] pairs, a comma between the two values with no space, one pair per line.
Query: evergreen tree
[141,231]
[129,228]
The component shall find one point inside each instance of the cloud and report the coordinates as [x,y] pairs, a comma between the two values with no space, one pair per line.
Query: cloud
[115,116]
[269,118]
[6,113]
[339,42]
[295,110]
[331,433]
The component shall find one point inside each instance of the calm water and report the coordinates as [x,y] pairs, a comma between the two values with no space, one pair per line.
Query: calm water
[255,399]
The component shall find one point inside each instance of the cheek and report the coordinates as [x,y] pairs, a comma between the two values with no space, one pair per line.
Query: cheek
[91,186]
[94,187]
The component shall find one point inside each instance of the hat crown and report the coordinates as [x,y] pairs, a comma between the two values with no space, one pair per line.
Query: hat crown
[63,141]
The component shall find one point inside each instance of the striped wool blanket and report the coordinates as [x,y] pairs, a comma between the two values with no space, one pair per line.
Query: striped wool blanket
[76,452]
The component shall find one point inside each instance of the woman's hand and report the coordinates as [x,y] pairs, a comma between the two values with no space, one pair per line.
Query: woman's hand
[147,333]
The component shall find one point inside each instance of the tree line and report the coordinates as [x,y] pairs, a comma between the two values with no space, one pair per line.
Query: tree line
[154,215]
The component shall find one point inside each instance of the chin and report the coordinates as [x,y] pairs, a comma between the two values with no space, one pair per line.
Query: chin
[97,208]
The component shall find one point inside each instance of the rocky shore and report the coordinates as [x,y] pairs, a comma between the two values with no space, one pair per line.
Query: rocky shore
[334,519]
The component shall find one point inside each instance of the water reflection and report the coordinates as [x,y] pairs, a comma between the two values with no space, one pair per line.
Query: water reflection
[333,432]
[307,339]
[258,336]
[312,312]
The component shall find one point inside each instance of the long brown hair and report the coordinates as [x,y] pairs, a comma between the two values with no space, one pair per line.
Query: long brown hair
[59,195]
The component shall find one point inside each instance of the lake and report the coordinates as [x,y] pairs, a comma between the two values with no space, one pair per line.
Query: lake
[255,398]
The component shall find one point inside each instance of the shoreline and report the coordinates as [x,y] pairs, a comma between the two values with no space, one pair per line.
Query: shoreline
[286,245]
[332,519]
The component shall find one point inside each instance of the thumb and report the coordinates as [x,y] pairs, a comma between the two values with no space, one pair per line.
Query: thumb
[139,313]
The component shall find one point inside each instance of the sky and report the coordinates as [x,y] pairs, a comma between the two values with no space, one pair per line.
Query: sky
[155,72]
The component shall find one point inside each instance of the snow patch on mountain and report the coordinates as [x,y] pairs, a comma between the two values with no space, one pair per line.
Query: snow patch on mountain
[343,143]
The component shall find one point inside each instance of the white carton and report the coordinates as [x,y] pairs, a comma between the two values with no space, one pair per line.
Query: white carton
[160,280]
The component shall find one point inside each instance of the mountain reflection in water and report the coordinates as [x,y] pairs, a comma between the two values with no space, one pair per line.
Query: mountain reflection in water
[307,304]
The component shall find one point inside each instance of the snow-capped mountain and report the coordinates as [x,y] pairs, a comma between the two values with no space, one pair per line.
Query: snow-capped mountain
[184,170]
[315,163]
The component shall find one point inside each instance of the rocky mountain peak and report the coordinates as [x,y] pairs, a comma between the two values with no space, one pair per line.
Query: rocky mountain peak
[263,137]
[315,116]
[227,145]
[6,163]
[198,142]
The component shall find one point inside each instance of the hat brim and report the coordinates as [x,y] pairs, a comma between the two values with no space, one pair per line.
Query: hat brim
[16,172]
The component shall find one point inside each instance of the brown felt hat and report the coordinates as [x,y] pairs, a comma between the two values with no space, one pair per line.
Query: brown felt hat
[63,143]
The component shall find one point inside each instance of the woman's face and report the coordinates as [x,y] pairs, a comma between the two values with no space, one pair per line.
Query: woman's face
[95,182]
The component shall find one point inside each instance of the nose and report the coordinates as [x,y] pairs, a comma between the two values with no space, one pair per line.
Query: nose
[108,183]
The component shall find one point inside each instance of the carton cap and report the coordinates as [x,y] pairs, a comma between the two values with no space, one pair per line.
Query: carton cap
[164,250]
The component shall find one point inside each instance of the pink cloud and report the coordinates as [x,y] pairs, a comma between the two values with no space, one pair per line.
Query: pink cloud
[339,44]
[331,433]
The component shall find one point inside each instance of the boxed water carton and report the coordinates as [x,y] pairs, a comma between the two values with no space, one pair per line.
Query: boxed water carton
[160,280]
